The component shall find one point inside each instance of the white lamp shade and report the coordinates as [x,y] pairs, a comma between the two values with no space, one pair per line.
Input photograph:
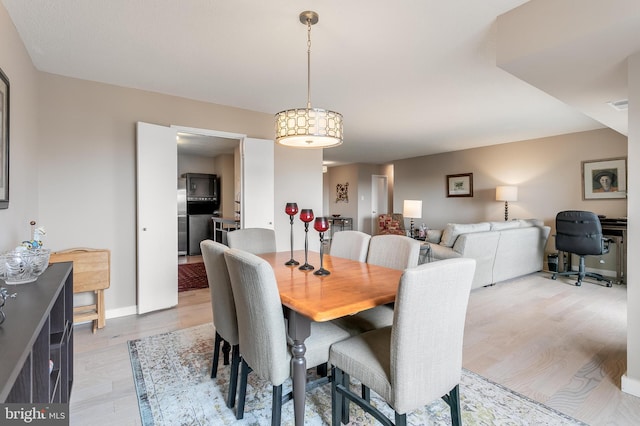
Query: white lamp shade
[507,193]
[412,209]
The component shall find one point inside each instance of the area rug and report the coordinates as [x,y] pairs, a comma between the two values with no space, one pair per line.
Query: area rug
[172,377]
[192,276]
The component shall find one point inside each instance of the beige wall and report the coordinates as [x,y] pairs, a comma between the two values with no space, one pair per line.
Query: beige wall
[546,171]
[23,122]
[86,162]
[224,168]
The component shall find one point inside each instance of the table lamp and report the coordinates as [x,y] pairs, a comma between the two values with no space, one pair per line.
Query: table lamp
[506,194]
[413,210]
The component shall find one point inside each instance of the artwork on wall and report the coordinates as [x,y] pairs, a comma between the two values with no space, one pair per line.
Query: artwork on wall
[4,141]
[604,179]
[342,192]
[460,185]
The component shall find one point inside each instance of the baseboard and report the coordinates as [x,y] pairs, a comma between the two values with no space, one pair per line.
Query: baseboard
[630,386]
[121,312]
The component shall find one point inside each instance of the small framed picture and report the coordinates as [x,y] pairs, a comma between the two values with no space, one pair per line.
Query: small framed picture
[460,185]
[604,179]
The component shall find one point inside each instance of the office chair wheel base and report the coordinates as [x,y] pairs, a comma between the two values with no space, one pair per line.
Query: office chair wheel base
[554,276]
[578,284]
[609,284]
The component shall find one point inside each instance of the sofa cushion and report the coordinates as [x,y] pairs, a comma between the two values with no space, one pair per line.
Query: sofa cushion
[507,224]
[452,230]
[434,235]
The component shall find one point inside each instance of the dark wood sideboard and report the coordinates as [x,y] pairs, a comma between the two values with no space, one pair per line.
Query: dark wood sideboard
[38,328]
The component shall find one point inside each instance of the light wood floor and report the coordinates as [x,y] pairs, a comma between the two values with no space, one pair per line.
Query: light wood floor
[556,343]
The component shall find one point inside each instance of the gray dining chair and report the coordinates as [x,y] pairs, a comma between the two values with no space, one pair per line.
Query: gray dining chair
[262,331]
[390,251]
[253,240]
[352,245]
[394,251]
[419,358]
[224,313]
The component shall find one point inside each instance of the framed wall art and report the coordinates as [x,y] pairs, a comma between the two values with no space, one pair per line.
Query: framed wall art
[4,141]
[342,192]
[460,185]
[604,179]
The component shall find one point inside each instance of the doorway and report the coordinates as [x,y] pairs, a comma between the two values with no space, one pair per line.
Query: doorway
[379,199]
[157,265]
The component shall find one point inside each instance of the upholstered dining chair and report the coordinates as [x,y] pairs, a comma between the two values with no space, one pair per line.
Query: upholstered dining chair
[390,251]
[352,245]
[394,251]
[580,232]
[224,312]
[253,240]
[419,358]
[262,332]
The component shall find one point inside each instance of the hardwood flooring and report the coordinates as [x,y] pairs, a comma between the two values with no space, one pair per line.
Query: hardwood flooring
[558,344]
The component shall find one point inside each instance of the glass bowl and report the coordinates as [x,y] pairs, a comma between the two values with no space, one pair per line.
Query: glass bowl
[21,266]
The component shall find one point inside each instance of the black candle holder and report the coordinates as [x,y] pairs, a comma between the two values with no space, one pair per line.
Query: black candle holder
[306,215]
[321,271]
[291,209]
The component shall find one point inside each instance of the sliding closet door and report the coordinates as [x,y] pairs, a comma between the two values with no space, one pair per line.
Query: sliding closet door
[257,183]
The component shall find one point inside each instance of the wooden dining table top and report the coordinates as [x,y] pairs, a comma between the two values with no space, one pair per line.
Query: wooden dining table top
[351,287]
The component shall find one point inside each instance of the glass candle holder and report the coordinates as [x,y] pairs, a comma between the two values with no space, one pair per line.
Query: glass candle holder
[321,225]
[291,209]
[306,215]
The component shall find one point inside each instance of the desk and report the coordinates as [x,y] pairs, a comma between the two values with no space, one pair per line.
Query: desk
[352,287]
[616,229]
[221,226]
[340,224]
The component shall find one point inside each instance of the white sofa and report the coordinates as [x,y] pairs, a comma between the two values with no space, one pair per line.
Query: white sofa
[502,250]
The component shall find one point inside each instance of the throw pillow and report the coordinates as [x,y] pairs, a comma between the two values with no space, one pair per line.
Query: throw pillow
[453,230]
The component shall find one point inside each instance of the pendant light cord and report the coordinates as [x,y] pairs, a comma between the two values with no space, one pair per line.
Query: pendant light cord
[308,63]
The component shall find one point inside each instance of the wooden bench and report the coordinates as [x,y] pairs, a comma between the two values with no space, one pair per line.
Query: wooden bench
[91,272]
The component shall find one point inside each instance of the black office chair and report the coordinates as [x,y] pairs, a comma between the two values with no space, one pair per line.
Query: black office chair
[580,232]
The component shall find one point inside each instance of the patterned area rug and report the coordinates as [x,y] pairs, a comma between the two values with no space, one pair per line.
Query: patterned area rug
[192,276]
[171,373]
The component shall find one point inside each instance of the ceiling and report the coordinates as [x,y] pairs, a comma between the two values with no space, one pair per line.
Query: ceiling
[414,78]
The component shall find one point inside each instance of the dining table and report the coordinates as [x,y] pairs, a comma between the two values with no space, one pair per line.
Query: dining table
[351,287]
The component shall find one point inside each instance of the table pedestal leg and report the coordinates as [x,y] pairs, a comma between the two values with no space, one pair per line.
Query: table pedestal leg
[299,330]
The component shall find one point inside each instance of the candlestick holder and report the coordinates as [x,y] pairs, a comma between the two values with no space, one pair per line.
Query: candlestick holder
[291,209]
[321,225]
[306,215]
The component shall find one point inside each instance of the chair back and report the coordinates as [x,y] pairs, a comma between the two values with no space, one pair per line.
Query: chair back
[352,245]
[579,232]
[393,251]
[261,326]
[253,240]
[427,331]
[224,309]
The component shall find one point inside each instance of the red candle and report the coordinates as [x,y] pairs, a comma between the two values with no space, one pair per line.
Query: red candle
[321,224]
[306,215]
[291,209]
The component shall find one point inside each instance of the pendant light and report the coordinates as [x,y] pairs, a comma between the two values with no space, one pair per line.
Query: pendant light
[309,127]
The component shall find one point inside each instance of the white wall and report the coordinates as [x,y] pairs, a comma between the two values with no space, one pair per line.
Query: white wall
[631,380]
[298,179]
